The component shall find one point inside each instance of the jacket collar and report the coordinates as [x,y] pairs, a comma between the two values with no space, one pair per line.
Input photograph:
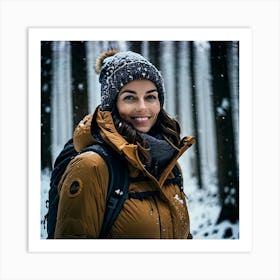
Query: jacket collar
[186,143]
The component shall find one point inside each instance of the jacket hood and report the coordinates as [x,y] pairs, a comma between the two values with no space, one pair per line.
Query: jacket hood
[95,128]
[99,127]
[82,135]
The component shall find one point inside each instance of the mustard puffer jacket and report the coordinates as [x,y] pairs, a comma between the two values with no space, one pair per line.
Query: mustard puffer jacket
[80,214]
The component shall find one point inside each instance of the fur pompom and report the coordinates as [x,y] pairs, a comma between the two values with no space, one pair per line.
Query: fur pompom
[102,56]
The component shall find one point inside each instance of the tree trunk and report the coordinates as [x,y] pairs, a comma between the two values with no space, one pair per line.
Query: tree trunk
[79,81]
[228,181]
[46,85]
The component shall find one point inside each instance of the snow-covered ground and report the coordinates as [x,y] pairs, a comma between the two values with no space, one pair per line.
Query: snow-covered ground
[204,210]
[203,207]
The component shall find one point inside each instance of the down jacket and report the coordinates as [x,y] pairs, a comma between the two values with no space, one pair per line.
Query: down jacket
[80,215]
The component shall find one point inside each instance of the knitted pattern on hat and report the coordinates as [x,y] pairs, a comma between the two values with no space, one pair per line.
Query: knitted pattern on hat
[119,68]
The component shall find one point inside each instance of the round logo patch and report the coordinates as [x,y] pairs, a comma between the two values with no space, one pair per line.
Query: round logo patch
[74,189]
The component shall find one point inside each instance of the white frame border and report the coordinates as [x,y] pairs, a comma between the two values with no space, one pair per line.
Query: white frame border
[243,35]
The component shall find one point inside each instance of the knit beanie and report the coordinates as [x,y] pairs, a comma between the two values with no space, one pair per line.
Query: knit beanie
[119,68]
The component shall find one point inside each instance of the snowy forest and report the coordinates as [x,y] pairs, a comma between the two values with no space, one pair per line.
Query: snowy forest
[202,93]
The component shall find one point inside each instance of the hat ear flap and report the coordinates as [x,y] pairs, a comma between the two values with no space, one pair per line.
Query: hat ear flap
[102,56]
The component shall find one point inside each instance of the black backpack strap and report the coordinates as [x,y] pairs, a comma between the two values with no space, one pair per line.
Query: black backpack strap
[117,192]
[142,195]
[118,185]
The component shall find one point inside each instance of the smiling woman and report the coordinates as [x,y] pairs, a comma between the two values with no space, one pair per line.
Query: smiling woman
[131,125]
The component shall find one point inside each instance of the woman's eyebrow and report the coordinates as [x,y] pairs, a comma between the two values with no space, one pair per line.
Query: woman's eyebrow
[151,90]
[134,92]
[128,91]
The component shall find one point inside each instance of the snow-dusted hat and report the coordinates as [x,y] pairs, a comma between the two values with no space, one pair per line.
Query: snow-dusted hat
[119,68]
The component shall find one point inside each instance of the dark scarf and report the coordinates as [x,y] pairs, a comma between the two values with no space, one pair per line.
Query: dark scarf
[161,153]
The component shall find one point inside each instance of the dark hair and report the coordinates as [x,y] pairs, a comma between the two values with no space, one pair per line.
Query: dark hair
[165,126]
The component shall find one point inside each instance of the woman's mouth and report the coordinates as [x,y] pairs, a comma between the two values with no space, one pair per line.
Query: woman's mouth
[140,119]
[141,123]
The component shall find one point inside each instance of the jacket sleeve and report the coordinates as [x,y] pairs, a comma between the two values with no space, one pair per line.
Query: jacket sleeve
[82,191]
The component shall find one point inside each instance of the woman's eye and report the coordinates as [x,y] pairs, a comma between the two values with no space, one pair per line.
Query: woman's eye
[151,97]
[129,98]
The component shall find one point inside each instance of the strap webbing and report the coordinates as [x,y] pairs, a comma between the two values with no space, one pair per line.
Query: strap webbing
[142,195]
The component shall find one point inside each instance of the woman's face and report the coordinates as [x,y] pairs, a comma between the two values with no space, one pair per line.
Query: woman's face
[138,104]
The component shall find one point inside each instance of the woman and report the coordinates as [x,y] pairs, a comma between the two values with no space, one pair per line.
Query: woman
[132,121]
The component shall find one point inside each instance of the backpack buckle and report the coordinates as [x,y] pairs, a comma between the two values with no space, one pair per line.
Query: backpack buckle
[114,198]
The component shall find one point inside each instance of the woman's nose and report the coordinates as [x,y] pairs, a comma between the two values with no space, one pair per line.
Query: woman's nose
[141,105]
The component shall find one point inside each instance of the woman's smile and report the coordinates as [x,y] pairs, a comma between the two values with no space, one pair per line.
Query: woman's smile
[141,119]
